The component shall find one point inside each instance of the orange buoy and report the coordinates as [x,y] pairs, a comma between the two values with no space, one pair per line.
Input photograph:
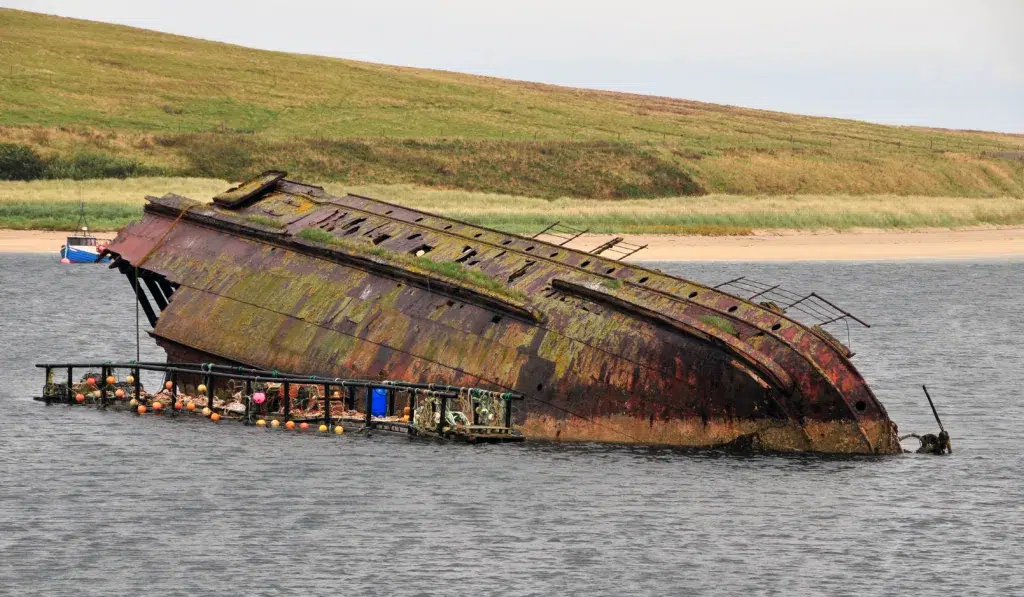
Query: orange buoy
[339,430]
[289,425]
[111,380]
[158,406]
[261,423]
[201,389]
[130,379]
[406,411]
[169,384]
[206,411]
[190,406]
[322,428]
[119,393]
[275,423]
[91,381]
[79,398]
[178,405]
[214,417]
[142,409]
[405,418]
[303,426]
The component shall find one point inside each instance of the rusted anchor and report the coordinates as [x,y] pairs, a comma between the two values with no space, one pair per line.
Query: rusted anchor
[931,443]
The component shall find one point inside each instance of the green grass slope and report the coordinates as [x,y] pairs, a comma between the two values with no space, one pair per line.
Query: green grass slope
[73,90]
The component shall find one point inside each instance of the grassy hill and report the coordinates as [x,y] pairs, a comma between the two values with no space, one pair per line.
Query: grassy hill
[81,92]
[93,100]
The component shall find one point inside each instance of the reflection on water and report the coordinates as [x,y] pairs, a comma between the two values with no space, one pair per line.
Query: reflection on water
[100,503]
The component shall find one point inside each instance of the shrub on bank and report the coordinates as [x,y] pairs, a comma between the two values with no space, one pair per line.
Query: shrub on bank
[21,162]
[87,164]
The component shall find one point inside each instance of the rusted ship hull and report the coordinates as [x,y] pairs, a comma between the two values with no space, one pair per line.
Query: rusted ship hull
[603,350]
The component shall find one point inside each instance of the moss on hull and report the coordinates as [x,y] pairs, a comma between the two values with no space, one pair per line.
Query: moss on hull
[721,323]
[445,269]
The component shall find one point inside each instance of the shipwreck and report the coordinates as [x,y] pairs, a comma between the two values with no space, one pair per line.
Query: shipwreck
[279,275]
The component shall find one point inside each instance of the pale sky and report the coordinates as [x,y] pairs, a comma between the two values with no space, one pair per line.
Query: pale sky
[945,63]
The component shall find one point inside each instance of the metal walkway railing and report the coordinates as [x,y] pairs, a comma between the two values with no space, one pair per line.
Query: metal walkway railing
[107,389]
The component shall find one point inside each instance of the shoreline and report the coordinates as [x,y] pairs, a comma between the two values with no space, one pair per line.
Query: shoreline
[779,245]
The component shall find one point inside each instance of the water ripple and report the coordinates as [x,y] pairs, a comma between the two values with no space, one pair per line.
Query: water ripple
[104,503]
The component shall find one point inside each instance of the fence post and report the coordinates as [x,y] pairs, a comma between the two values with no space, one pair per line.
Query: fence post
[47,385]
[444,414]
[174,390]
[104,372]
[369,403]
[248,400]
[327,405]
[508,411]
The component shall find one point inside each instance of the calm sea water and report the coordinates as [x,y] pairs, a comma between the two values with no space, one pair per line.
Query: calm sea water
[104,503]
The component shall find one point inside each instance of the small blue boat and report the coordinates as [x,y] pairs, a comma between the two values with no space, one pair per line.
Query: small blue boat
[82,247]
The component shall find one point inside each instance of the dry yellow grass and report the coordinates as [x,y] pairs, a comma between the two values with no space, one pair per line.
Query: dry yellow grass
[709,214]
[128,191]
[110,203]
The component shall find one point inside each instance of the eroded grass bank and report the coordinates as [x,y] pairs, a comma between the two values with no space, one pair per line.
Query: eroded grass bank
[53,205]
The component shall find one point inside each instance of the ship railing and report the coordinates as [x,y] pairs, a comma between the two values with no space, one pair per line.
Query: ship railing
[813,308]
[561,232]
[117,383]
[617,248]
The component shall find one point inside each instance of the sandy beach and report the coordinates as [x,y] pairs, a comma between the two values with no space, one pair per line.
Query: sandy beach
[36,241]
[789,246]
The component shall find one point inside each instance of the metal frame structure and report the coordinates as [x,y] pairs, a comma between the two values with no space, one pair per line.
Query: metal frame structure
[564,233]
[212,373]
[619,248]
[813,306]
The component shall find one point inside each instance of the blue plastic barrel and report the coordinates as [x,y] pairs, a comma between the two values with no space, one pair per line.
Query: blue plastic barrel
[379,402]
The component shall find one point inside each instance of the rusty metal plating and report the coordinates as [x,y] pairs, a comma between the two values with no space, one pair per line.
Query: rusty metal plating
[281,275]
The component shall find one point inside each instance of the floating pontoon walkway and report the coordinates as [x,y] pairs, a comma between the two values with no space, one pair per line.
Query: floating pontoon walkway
[259,397]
